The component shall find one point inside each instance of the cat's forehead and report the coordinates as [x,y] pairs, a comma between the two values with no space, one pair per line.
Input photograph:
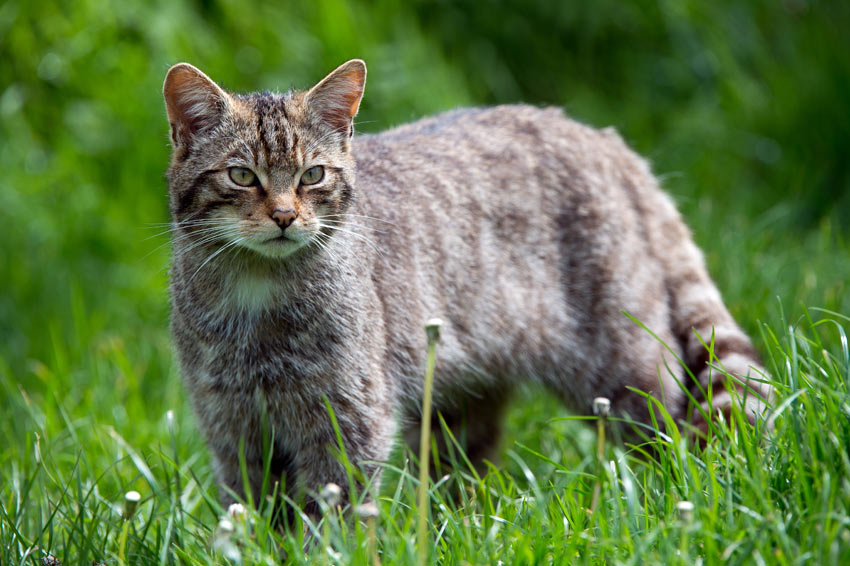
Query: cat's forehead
[272,125]
[270,106]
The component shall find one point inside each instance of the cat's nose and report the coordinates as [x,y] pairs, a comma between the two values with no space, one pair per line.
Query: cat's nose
[284,218]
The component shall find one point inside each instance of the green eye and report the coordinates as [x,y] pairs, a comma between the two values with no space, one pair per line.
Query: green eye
[313,175]
[242,176]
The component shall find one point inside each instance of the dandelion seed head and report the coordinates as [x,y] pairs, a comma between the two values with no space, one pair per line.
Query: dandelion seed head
[601,406]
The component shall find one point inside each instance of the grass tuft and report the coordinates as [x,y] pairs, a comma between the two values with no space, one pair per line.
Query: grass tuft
[774,494]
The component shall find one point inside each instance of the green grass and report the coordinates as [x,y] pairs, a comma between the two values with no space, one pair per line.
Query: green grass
[777,497]
[742,108]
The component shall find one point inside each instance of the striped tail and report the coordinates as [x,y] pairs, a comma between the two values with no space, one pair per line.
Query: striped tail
[696,310]
[708,335]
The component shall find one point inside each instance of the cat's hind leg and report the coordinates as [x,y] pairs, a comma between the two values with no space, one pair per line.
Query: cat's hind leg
[466,432]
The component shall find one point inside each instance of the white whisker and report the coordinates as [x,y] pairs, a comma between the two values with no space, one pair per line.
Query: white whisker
[350,224]
[176,229]
[209,238]
[187,222]
[212,256]
[204,235]
[320,241]
[352,215]
[365,239]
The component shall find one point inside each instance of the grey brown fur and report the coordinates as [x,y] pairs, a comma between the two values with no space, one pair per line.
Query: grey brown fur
[527,232]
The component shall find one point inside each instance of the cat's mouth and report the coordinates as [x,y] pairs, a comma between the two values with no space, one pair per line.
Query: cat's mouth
[278,246]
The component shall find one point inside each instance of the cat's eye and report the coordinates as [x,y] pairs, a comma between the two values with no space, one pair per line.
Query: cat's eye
[313,175]
[242,176]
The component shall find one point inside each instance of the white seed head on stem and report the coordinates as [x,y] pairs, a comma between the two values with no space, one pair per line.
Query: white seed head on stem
[432,329]
[225,527]
[236,511]
[601,406]
[366,510]
[131,502]
[331,494]
[686,510]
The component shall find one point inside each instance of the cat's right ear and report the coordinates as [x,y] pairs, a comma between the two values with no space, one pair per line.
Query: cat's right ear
[194,103]
[336,98]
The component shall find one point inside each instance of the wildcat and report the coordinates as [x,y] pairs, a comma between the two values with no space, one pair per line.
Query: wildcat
[306,261]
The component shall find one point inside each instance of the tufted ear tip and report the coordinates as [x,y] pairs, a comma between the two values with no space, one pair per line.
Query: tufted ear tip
[194,102]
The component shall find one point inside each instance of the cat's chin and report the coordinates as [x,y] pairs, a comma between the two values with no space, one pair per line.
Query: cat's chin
[276,248]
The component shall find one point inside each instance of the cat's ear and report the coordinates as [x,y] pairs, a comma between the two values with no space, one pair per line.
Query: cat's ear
[337,98]
[193,101]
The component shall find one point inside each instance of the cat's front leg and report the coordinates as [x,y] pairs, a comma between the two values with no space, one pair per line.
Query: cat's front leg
[367,434]
[232,480]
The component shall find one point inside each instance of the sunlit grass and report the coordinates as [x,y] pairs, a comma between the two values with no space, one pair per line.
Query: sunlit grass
[748,496]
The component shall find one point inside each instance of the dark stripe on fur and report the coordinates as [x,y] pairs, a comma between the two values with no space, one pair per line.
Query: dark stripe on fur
[186,198]
[727,346]
[209,206]
[262,104]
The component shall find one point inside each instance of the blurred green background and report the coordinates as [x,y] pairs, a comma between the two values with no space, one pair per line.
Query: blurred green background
[743,107]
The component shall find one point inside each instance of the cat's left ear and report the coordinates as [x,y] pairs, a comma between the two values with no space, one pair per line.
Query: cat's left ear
[337,98]
[195,104]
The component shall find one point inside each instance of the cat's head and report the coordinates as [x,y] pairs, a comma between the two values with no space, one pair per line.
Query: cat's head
[267,172]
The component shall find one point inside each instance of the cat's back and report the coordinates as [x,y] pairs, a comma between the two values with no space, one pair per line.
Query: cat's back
[500,134]
[503,156]
[518,176]
[465,123]
[501,219]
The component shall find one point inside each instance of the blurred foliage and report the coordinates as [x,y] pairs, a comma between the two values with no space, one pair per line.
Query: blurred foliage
[741,106]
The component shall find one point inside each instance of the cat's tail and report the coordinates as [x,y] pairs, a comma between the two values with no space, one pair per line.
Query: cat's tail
[708,336]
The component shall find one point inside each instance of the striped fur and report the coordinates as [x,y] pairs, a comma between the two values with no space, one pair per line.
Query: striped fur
[527,232]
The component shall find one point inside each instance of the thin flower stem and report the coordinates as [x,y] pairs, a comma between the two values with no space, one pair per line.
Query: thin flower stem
[601,407]
[432,329]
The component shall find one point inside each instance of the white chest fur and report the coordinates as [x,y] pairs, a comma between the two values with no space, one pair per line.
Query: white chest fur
[250,293]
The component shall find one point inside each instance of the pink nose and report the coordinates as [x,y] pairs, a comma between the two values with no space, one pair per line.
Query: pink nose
[284,218]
